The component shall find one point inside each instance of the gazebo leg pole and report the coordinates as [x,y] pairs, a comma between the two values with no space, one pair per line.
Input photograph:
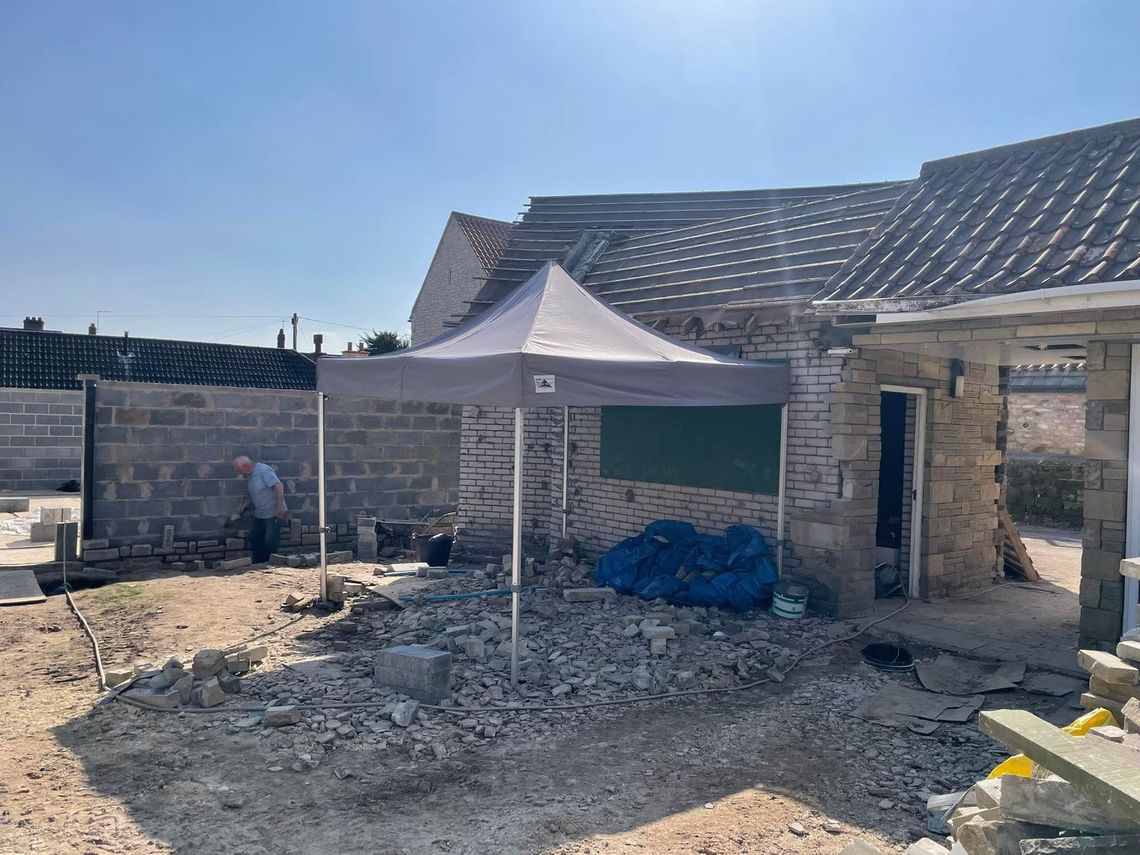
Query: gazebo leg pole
[321,494]
[783,491]
[516,549]
[565,468]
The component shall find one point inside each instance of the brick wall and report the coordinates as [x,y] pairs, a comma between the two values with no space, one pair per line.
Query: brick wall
[163,457]
[604,511]
[455,275]
[832,482]
[1047,423]
[41,438]
[1106,477]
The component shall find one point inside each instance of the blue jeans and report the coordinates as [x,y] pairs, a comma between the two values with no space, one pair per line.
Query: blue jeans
[264,537]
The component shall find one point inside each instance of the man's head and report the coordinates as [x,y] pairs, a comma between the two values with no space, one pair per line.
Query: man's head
[243,465]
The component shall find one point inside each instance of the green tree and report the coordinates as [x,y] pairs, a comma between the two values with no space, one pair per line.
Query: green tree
[384,342]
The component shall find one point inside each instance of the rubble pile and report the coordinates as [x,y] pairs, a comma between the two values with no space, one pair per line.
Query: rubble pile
[1034,811]
[211,676]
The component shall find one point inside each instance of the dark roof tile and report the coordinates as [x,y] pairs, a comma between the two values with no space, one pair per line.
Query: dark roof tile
[1045,213]
[32,359]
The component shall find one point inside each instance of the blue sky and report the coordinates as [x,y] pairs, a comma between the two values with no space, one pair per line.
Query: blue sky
[204,170]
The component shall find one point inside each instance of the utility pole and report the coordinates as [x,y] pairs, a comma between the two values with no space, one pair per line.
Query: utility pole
[296,322]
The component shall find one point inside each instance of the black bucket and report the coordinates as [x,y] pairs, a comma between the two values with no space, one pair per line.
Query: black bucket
[435,551]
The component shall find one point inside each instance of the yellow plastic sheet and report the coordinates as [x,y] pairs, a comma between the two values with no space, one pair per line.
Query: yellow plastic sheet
[1021,765]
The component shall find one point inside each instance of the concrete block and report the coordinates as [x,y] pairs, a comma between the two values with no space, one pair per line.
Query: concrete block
[235,563]
[42,532]
[588,595]
[658,646]
[14,504]
[658,632]
[420,672]
[101,555]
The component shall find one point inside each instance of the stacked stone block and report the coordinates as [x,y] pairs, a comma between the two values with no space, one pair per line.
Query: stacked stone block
[366,541]
[163,458]
[41,438]
[1106,478]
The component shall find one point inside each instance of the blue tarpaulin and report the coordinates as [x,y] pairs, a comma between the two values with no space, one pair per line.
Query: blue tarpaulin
[671,559]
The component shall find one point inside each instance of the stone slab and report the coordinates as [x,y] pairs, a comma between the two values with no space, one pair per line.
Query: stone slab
[1059,803]
[1104,771]
[14,504]
[1108,667]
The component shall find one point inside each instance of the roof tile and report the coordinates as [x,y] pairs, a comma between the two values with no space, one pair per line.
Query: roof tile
[34,359]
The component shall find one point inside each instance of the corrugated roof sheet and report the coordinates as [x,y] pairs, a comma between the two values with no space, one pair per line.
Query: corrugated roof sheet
[784,253]
[487,237]
[1059,211]
[559,228]
[51,360]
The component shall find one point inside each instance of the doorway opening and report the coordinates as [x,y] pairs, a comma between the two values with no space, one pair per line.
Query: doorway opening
[898,532]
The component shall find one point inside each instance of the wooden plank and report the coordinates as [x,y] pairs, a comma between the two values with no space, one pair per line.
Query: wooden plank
[1024,564]
[1108,667]
[1101,769]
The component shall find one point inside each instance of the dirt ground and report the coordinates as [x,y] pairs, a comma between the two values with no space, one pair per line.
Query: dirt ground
[712,774]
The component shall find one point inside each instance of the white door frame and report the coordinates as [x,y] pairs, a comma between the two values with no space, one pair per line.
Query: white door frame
[1132,499]
[918,478]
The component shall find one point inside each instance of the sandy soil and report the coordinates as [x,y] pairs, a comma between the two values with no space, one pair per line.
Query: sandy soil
[724,774]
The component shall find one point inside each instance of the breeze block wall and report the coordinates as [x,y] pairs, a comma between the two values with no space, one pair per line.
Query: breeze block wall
[41,438]
[163,457]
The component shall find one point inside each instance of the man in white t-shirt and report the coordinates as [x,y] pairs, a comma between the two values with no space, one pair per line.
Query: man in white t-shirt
[267,496]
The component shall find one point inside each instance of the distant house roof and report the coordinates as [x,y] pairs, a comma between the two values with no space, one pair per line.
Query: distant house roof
[1059,211]
[487,237]
[575,230]
[785,253]
[1069,377]
[51,360]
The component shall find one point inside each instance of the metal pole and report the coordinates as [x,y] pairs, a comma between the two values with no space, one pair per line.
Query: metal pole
[783,490]
[321,494]
[565,468]
[516,550]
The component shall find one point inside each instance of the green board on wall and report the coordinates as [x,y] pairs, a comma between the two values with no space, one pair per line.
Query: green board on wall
[722,448]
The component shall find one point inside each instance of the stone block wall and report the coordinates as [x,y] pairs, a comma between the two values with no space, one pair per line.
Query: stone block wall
[1106,481]
[1047,423]
[163,457]
[41,438]
[1046,490]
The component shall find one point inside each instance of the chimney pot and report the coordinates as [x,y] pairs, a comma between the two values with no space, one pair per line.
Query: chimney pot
[281,338]
[318,340]
[91,330]
[31,323]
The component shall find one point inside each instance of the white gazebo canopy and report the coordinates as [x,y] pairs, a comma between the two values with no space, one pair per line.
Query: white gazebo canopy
[551,343]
